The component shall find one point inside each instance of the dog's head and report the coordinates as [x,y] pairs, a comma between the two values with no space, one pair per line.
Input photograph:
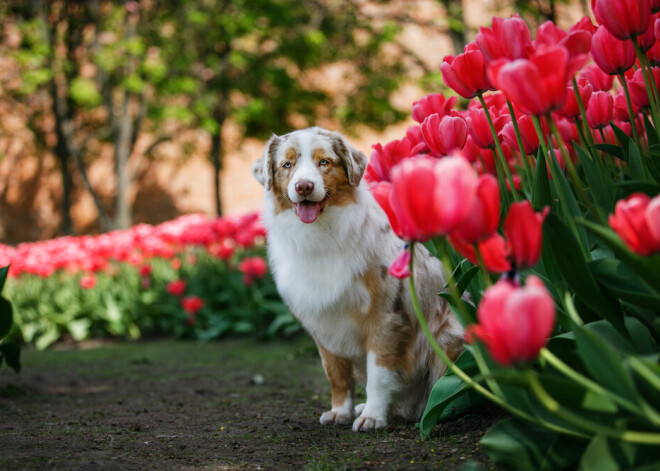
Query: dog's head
[309,170]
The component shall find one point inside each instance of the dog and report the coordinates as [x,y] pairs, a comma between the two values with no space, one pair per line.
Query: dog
[329,247]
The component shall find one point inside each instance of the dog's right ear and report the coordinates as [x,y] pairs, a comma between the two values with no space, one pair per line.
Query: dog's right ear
[262,169]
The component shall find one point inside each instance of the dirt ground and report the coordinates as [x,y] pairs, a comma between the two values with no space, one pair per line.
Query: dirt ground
[235,404]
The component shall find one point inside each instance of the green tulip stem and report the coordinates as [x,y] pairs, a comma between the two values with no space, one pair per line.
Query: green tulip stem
[500,153]
[577,183]
[633,120]
[462,374]
[645,410]
[583,118]
[554,167]
[644,371]
[528,170]
[649,82]
[585,424]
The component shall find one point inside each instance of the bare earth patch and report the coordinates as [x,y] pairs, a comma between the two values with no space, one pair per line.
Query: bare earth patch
[236,404]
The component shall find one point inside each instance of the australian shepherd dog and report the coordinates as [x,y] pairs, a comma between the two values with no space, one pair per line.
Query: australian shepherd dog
[329,247]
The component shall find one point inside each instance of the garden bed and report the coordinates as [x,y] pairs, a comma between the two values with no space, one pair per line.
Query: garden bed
[238,404]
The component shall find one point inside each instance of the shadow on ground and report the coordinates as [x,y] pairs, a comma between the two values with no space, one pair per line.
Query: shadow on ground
[236,404]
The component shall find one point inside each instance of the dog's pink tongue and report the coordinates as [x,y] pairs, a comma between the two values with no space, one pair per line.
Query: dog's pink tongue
[308,211]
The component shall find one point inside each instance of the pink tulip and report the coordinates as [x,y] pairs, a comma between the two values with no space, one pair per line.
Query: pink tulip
[515,322]
[522,229]
[400,267]
[493,252]
[612,55]
[176,287]
[537,85]
[636,220]
[598,79]
[383,159]
[571,108]
[444,135]
[192,304]
[508,38]
[430,104]
[466,73]
[599,110]
[528,134]
[624,19]
[484,216]
[637,87]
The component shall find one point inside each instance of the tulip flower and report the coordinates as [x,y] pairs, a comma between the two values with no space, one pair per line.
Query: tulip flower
[466,73]
[508,38]
[515,322]
[430,104]
[528,134]
[400,267]
[252,267]
[192,304]
[444,135]
[612,55]
[428,197]
[479,128]
[599,110]
[598,79]
[484,216]
[571,108]
[176,287]
[577,43]
[636,220]
[620,107]
[622,18]
[383,159]
[637,87]
[522,229]
[537,85]
[493,252]
[87,281]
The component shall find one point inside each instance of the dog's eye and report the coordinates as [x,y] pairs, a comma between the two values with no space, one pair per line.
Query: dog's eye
[324,162]
[286,165]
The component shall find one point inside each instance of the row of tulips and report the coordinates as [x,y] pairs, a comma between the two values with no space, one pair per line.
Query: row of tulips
[542,198]
[191,277]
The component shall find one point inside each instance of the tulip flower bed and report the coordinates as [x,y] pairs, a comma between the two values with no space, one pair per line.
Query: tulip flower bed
[188,278]
[542,198]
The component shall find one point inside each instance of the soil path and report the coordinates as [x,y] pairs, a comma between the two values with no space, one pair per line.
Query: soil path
[236,404]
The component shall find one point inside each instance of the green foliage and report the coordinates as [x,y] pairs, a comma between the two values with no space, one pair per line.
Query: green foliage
[9,350]
[125,304]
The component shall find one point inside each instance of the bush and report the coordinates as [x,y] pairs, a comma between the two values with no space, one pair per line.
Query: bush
[188,278]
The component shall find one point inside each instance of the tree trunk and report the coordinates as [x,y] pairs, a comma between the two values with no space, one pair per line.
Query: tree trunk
[216,158]
[63,158]
[455,23]
[122,219]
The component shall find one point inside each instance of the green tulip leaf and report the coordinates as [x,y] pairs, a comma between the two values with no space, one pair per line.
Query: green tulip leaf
[619,279]
[614,151]
[10,352]
[635,163]
[573,266]
[629,187]
[4,271]
[517,446]
[604,364]
[541,195]
[607,454]
[6,317]
[601,190]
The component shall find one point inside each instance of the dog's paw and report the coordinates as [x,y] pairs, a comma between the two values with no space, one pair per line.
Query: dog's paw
[368,424]
[336,417]
[358,409]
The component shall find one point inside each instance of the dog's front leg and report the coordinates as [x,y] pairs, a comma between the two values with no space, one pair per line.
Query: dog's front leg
[340,373]
[381,385]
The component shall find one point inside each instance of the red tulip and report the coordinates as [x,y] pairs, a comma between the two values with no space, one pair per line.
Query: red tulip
[522,229]
[430,104]
[176,287]
[192,304]
[637,87]
[87,281]
[508,38]
[431,197]
[444,135]
[400,267]
[598,79]
[466,73]
[646,40]
[528,134]
[623,18]
[577,43]
[416,139]
[493,252]
[620,107]
[145,270]
[599,110]
[514,322]
[571,108]
[537,85]
[255,267]
[484,216]
[636,220]
[612,55]
[383,159]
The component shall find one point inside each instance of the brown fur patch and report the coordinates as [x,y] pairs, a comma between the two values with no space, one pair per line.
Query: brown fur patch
[281,178]
[340,192]
[340,373]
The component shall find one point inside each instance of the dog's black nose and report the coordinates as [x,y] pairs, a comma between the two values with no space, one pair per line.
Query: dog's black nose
[304,187]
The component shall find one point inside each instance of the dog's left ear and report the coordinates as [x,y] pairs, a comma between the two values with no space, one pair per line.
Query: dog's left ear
[262,169]
[353,160]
